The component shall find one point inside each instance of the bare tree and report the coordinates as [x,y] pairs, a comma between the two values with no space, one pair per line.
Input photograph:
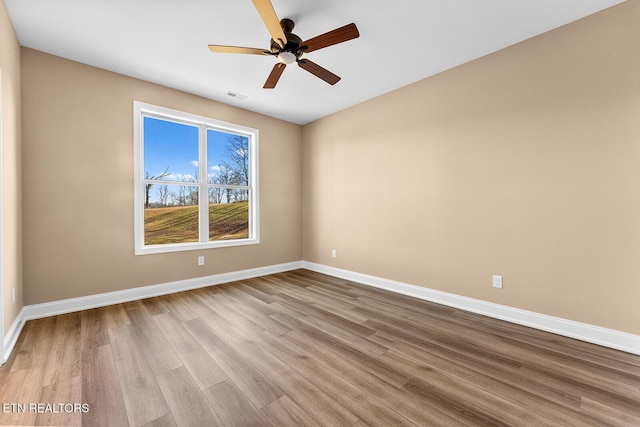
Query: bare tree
[215,193]
[147,186]
[177,198]
[237,155]
[182,197]
[192,195]
[226,176]
[163,195]
[187,195]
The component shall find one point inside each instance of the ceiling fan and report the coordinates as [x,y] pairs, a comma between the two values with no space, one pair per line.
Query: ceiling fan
[288,47]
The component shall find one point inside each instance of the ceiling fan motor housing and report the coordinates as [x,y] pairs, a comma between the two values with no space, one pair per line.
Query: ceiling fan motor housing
[293,42]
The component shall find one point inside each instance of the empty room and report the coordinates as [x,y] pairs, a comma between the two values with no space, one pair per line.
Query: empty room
[320,213]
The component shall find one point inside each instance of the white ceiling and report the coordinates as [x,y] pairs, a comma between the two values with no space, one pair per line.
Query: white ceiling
[401,41]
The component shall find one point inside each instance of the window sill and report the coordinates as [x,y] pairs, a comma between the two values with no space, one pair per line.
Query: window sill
[158,249]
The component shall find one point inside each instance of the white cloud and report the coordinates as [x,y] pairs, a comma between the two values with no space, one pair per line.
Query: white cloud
[194,163]
[181,177]
[215,168]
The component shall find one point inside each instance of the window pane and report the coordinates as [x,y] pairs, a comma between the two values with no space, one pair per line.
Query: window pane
[170,151]
[170,214]
[227,158]
[228,214]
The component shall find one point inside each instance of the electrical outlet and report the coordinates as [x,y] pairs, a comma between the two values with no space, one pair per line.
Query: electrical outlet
[201,260]
[334,253]
[497,282]
[13,295]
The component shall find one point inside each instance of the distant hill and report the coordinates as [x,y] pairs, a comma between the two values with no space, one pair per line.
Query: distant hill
[179,224]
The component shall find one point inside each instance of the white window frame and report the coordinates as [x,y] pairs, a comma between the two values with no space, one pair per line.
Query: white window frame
[141,110]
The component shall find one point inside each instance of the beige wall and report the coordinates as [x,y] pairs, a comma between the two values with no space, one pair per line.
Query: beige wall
[524,163]
[11,169]
[78,184]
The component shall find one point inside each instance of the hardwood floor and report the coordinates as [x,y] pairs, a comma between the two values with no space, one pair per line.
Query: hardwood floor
[304,349]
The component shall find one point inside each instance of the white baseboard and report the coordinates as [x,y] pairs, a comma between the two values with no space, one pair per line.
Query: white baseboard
[12,335]
[37,311]
[594,334]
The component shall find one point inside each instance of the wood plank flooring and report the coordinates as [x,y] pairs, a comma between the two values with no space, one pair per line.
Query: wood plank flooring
[305,349]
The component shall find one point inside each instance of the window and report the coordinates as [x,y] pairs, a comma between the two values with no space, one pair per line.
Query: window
[196,182]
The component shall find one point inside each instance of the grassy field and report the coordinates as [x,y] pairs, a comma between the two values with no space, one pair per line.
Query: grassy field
[180,224]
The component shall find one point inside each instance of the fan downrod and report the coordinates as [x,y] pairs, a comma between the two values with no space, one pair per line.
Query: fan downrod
[287,25]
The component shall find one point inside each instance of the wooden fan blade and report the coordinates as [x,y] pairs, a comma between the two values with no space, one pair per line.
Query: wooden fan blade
[318,71]
[237,49]
[270,19]
[339,35]
[273,78]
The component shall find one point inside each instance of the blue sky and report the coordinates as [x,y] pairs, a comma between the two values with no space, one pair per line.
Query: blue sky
[176,145]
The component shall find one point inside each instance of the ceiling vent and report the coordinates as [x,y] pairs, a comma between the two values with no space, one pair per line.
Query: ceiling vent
[236,95]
